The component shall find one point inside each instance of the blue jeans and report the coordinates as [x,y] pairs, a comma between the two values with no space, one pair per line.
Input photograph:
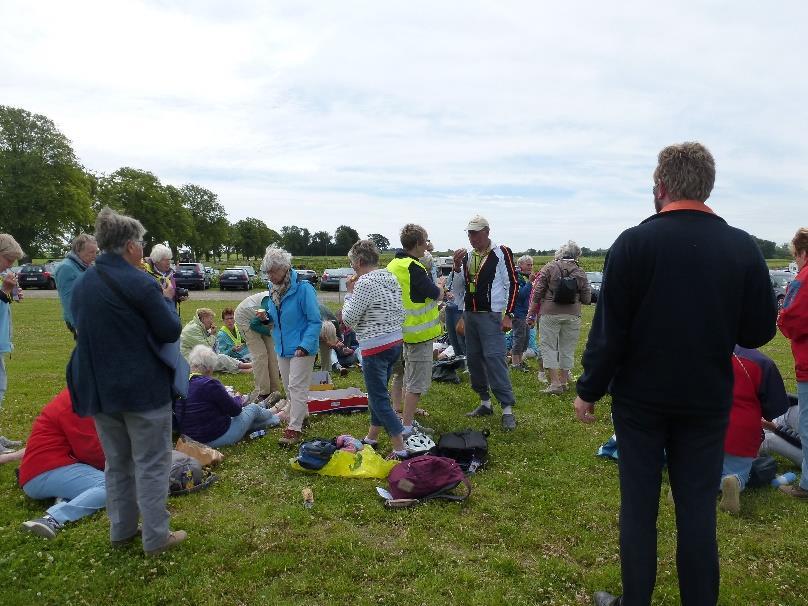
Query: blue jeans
[802,396]
[740,467]
[252,418]
[83,486]
[458,342]
[376,370]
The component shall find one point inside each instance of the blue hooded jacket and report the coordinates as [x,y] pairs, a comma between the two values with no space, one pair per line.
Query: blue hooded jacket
[297,322]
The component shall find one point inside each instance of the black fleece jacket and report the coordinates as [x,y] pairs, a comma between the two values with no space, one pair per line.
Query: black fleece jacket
[679,291]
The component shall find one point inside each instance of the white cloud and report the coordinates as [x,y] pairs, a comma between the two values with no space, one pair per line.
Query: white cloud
[545,117]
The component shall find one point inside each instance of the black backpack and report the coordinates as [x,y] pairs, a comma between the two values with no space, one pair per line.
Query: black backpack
[468,447]
[445,371]
[566,290]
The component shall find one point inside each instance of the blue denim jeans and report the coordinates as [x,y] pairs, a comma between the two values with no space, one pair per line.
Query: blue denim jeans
[802,396]
[252,418]
[739,467]
[82,485]
[376,370]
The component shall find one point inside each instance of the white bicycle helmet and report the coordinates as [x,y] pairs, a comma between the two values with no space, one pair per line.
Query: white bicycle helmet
[418,443]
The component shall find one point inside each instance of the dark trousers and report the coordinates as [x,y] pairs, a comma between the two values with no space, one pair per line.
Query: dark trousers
[695,452]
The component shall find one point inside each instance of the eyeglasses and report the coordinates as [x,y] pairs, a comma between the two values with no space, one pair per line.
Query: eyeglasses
[141,243]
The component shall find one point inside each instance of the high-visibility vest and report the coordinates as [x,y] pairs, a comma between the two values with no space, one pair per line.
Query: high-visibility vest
[421,320]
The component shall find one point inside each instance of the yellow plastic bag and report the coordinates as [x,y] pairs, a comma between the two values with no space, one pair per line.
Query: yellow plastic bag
[366,463]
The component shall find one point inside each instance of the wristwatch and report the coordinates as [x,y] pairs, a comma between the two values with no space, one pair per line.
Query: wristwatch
[509,314]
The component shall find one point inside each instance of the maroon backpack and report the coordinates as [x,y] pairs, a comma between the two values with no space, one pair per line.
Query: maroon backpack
[427,477]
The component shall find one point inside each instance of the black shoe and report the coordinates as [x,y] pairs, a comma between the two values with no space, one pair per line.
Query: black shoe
[508,422]
[481,411]
[604,598]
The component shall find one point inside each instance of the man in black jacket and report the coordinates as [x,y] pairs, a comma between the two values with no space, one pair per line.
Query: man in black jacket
[679,291]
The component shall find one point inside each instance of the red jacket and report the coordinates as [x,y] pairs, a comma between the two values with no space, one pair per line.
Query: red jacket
[58,438]
[758,392]
[793,322]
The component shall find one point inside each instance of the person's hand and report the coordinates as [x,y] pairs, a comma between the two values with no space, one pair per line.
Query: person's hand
[168,291]
[767,424]
[457,258]
[238,348]
[531,322]
[350,283]
[507,323]
[347,351]
[9,282]
[261,314]
[585,411]
[20,294]
[300,353]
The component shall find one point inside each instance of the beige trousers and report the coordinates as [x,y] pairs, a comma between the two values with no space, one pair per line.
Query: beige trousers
[264,360]
[296,376]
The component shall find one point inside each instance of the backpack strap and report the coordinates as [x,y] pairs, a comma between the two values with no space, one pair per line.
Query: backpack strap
[444,494]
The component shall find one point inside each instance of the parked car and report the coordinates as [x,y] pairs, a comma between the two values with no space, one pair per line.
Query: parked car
[595,278]
[235,277]
[249,269]
[445,265]
[35,276]
[331,277]
[309,275]
[192,275]
[780,281]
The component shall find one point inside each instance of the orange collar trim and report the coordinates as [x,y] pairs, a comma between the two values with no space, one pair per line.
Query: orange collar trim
[688,205]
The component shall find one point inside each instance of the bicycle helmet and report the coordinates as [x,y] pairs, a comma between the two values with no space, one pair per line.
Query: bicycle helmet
[418,443]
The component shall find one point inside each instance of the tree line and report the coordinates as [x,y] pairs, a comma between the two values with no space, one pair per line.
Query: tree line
[47,197]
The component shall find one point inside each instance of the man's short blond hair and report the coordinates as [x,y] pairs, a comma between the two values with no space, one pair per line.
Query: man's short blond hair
[412,235]
[687,170]
[799,244]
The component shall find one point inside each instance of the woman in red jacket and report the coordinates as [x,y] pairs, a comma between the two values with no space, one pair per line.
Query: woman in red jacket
[793,323]
[64,460]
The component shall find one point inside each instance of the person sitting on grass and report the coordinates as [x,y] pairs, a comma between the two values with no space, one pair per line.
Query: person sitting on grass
[782,435]
[202,331]
[758,392]
[229,340]
[210,414]
[63,460]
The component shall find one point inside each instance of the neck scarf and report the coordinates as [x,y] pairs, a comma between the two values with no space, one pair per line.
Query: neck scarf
[276,291]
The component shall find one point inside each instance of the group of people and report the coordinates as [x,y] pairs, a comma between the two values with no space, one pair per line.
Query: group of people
[649,331]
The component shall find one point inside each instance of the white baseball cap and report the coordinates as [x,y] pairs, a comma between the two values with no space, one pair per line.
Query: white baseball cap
[477,223]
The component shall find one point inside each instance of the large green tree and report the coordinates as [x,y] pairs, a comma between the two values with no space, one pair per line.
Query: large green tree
[139,194]
[252,236]
[44,191]
[320,243]
[344,238]
[209,220]
[295,239]
[380,241]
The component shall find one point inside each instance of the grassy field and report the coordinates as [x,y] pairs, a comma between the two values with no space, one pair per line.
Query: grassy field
[539,528]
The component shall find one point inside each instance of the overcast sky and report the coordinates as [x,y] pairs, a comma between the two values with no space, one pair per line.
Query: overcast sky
[545,117]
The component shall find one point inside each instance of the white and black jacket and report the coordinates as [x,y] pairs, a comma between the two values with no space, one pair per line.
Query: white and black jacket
[496,283]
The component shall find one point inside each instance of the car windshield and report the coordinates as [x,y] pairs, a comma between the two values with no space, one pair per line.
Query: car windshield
[234,272]
[32,269]
[781,280]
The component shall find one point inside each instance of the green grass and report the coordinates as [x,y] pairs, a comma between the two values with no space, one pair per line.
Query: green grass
[539,528]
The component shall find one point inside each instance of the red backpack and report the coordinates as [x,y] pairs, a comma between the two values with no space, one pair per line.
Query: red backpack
[427,477]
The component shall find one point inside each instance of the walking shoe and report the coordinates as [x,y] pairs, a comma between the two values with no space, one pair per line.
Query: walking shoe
[127,541]
[481,411]
[795,491]
[397,456]
[421,428]
[542,376]
[603,598]
[175,537]
[290,437]
[270,400]
[343,372]
[6,443]
[508,422]
[730,494]
[46,527]
[555,390]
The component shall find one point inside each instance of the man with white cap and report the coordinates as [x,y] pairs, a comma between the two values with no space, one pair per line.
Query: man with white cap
[485,286]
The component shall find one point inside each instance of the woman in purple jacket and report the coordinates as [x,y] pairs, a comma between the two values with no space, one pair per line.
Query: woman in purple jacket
[210,414]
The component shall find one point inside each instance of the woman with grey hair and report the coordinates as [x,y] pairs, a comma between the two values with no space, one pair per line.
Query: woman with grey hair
[292,310]
[374,309]
[212,415]
[116,377]
[83,252]
[201,330]
[10,253]
[561,288]
[158,266]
